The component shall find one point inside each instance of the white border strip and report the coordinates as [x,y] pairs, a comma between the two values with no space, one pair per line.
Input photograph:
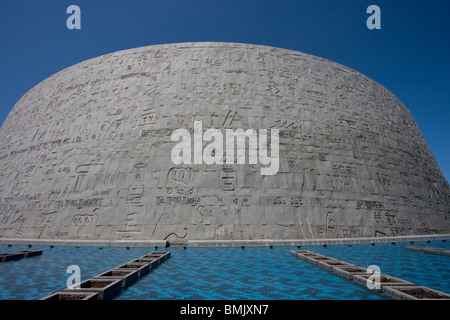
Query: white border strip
[312,242]
[222,243]
[87,243]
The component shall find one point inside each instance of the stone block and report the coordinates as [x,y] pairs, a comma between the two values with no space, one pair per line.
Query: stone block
[61,296]
[385,280]
[414,293]
[106,288]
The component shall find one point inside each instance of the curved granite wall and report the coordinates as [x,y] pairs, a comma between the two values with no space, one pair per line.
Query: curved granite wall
[87,153]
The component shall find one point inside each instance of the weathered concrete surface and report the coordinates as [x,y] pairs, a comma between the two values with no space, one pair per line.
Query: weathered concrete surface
[441,251]
[85,154]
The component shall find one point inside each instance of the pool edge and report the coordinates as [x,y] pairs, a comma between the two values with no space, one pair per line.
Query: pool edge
[224,243]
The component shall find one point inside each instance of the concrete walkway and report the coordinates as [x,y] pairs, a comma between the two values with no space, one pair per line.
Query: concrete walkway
[444,252]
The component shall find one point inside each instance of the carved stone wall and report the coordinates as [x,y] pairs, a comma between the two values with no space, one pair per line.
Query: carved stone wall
[86,153]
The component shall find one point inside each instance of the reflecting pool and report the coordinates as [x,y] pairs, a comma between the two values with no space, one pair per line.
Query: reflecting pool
[225,273]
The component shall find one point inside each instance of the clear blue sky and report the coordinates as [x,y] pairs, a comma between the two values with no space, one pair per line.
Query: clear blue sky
[409,55]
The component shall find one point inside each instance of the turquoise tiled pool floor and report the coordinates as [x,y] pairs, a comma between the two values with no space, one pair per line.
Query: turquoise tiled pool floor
[225,273]
[234,273]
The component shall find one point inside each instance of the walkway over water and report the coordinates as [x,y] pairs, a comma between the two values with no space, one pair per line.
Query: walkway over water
[384,284]
[445,252]
[19,255]
[109,284]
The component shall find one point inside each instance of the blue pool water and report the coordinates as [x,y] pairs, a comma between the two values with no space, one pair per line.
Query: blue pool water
[225,273]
